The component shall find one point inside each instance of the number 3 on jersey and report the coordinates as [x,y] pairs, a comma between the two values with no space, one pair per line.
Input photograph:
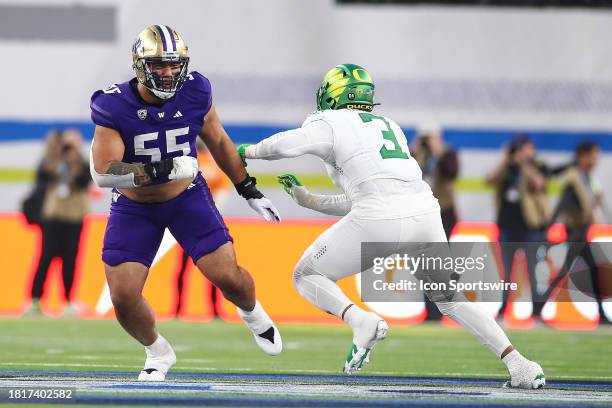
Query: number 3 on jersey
[385,153]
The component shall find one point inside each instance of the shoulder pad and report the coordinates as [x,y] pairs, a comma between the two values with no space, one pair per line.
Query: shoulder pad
[102,102]
[196,82]
[198,86]
[313,117]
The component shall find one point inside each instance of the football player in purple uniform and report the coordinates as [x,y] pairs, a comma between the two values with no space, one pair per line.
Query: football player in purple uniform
[144,148]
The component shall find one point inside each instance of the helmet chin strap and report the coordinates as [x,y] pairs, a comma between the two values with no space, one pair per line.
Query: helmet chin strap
[161,94]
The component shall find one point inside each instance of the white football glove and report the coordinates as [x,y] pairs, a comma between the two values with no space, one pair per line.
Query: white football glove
[265,208]
[248,190]
[184,167]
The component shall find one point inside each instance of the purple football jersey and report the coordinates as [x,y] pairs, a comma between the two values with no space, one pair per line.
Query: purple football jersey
[152,133]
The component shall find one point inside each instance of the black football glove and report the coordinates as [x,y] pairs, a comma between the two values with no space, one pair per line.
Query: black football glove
[174,168]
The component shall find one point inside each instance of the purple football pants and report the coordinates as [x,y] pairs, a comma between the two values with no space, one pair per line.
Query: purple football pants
[135,230]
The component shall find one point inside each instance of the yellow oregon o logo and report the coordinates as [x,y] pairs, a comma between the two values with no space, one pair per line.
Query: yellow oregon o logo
[361,74]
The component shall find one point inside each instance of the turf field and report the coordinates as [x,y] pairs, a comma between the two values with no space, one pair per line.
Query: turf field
[219,364]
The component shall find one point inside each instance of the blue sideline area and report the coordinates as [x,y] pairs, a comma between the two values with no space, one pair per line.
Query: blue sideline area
[206,389]
[559,140]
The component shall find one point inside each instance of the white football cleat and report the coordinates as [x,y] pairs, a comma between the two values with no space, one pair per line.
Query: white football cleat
[526,375]
[264,331]
[157,364]
[371,330]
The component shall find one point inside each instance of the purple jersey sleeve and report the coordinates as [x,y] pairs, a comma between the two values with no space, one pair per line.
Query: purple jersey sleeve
[200,90]
[101,113]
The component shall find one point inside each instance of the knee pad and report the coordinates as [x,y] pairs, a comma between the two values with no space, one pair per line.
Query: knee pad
[303,268]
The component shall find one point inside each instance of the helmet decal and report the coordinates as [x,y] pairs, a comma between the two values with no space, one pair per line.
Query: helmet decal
[361,75]
[168,41]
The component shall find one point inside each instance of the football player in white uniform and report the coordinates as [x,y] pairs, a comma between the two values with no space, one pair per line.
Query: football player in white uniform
[384,200]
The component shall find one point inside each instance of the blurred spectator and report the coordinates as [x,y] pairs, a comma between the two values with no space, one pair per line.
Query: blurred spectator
[33,204]
[65,172]
[219,185]
[440,167]
[581,196]
[522,208]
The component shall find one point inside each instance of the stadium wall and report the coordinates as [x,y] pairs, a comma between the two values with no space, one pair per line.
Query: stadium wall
[271,271]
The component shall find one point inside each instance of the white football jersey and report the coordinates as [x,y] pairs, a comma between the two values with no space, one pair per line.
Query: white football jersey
[365,155]
[365,147]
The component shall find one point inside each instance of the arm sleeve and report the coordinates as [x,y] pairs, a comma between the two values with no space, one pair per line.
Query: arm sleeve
[109,180]
[338,204]
[315,138]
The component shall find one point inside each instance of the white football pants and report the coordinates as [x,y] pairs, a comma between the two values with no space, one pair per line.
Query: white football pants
[336,254]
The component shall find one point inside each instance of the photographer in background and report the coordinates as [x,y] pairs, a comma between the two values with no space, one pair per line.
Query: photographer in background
[440,167]
[522,208]
[66,202]
[581,193]
[581,198]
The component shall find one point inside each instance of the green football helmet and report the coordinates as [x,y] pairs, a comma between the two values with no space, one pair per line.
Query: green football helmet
[346,86]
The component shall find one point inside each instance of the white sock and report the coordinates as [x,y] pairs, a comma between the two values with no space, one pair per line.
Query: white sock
[253,312]
[354,316]
[158,348]
[478,322]
[323,293]
[364,325]
[257,319]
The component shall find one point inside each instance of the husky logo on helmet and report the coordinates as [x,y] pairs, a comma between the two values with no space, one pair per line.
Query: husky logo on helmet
[346,86]
[160,44]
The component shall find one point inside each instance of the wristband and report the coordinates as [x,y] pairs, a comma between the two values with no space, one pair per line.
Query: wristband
[247,188]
